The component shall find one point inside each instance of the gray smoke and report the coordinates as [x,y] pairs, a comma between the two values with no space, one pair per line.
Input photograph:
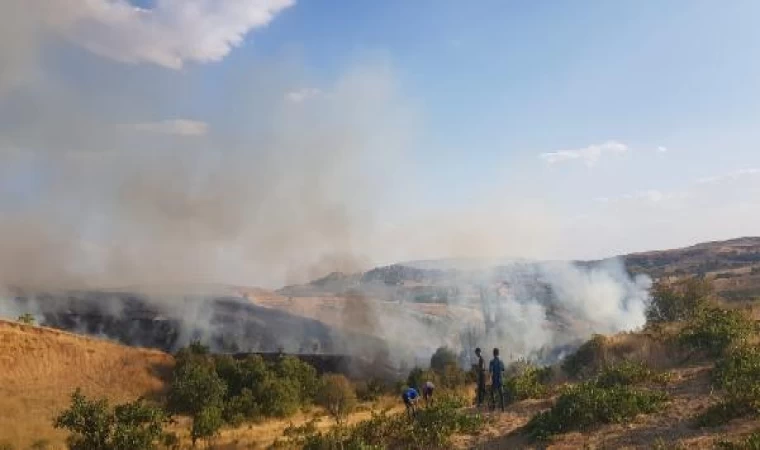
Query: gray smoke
[109,177]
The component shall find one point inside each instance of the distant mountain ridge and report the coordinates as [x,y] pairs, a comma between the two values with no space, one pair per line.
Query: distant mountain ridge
[428,280]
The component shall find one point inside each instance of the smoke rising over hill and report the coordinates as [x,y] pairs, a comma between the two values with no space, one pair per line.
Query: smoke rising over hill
[108,178]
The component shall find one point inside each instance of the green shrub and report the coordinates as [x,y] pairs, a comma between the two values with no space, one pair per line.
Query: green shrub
[206,423]
[713,330]
[627,373]
[442,358]
[678,302]
[586,358]
[337,396]
[92,424]
[722,413]
[293,369]
[195,385]
[737,374]
[751,442]
[279,398]
[586,405]
[243,407]
[529,382]
[26,318]
[432,428]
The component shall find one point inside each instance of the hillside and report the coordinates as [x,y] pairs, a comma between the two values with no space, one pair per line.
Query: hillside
[41,367]
[733,265]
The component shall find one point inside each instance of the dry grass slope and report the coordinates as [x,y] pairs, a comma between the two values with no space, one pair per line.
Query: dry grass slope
[41,367]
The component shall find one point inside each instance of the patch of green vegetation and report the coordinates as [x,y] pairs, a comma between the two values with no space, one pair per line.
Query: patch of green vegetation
[678,302]
[26,318]
[529,381]
[432,427]
[751,442]
[586,405]
[337,396]
[714,330]
[586,358]
[94,425]
[737,374]
[628,373]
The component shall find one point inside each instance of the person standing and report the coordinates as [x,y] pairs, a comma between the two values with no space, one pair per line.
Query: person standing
[480,369]
[496,368]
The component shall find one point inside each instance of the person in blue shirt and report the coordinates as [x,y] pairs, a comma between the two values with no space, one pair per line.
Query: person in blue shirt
[496,369]
[410,397]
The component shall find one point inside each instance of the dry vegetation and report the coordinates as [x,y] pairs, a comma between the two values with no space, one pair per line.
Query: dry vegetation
[41,367]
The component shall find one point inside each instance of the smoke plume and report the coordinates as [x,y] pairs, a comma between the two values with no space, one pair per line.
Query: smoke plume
[110,176]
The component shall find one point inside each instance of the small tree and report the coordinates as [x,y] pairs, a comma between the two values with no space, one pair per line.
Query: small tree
[26,319]
[89,421]
[206,423]
[441,358]
[678,302]
[130,426]
[337,396]
[291,368]
[195,386]
[137,425]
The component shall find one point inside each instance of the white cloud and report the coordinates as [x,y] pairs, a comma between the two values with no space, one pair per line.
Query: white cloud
[662,149]
[178,127]
[170,34]
[741,173]
[589,155]
[303,94]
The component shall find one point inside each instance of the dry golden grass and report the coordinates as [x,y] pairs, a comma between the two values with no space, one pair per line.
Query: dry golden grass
[41,367]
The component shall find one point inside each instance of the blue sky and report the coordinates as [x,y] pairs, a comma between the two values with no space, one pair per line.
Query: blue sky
[548,129]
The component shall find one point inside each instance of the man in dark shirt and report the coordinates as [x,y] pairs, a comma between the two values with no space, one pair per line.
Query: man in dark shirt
[480,370]
[496,368]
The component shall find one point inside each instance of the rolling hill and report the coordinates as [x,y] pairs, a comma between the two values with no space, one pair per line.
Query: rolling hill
[41,367]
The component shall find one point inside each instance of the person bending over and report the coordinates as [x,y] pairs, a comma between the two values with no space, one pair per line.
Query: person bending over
[427,392]
[410,397]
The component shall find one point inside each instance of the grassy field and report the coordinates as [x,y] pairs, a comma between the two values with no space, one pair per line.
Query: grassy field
[41,367]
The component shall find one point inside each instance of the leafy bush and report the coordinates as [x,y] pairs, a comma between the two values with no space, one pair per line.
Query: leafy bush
[195,385]
[627,373]
[586,405]
[337,396]
[27,319]
[242,390]
[279,398]
[206,423]
[738,376]
[751,442]
[442,358]
[371,389]
[432,428]
[713,330]
[586,358]
[678,302]
[529,382]
[130,426]
[241,408]
[291,368]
